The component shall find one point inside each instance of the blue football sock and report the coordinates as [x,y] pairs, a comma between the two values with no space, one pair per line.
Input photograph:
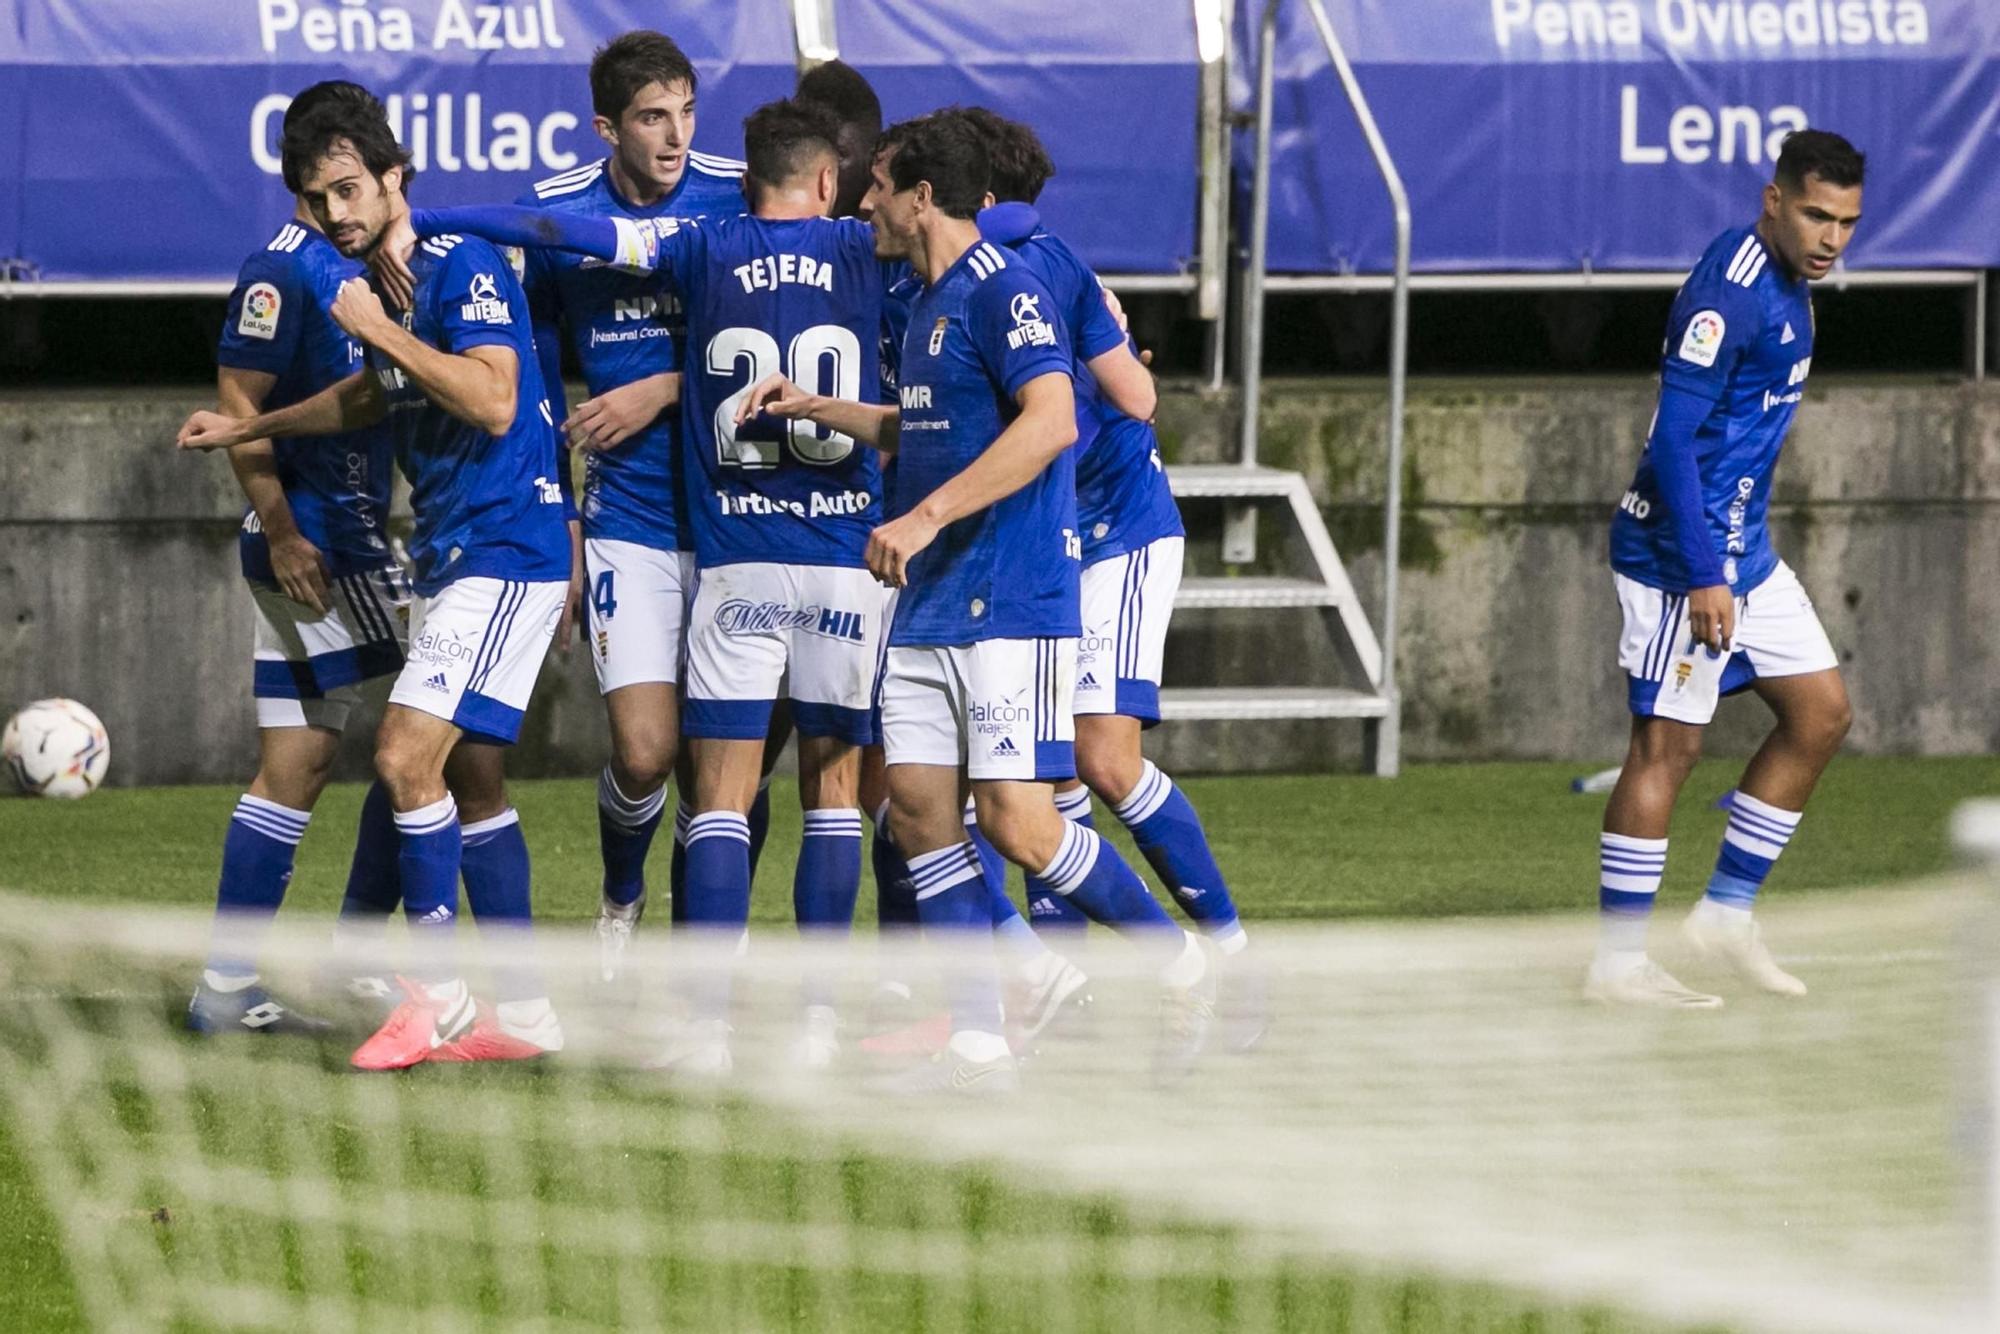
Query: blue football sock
[895,896]
[1171,839]
[825,885]
[374,885]
[625,827]
[428,864]
[257,858]
[1757,833]
[760,824]
[497,877]
[1049,910]
[1628,879]
[1090,874]
[718,900]
[677,868]
[953,902]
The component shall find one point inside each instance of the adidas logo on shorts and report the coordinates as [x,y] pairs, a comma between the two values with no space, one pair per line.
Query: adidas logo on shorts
[1005,746]
[438,683]
[1089,682]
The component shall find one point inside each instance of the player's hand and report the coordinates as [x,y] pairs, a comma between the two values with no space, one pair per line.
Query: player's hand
[572,600]
[391,261]
[615,416]
[777,396]
[210,430]
[300,569]
[357,310]
[895,544]
[1712,616]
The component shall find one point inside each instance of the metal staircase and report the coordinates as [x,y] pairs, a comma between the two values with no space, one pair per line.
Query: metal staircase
[1241,486]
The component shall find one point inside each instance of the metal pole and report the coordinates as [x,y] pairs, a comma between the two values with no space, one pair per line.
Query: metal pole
[1212,294]
[1260,223]
[1399,342]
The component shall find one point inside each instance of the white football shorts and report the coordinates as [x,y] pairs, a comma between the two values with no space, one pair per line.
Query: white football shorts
[998,709]
[756,625]
[636,600]
[1127,602]
[475,651]
[1670,676]
[308,668]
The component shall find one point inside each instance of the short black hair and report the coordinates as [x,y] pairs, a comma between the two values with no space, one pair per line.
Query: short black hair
[319,129]
[780,138]
[1820,153]
[1020,165]
[330,90]
[840,88]
[630,61]
[946,151]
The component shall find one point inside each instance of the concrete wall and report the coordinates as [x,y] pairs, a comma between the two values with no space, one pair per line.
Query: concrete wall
[117,572]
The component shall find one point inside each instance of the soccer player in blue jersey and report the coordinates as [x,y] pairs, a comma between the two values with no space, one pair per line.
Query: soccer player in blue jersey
[780,514]
[982,543]
[330,598]
[1132,550]
[1709,607]
[458,382]
[622,330]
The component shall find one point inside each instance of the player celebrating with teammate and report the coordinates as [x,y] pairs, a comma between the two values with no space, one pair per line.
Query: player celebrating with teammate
[458,381]
[637,551]
[981,665]
[329,596]
[780,514]
[1709,608]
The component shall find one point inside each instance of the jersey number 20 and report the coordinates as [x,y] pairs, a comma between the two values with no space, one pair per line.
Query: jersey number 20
[825,359]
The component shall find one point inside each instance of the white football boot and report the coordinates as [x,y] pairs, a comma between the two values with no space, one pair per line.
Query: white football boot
[615,924]
[818,1046]
[1644,983]
[1733,937]
[699,1051]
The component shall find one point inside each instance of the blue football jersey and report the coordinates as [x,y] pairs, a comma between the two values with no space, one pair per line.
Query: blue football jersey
[486,506]
[1123,501]
[983,330]
[1740,336]
[337,486]
[799,296]
[621,328]
[901,289]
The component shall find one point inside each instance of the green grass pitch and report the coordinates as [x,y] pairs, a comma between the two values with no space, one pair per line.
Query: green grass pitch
[1439,841]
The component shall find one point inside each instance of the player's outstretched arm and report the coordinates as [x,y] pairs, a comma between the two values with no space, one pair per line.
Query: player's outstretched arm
[479,386]
[295,561]
[876,424]
[618,241]
[1031,442]
[347,405]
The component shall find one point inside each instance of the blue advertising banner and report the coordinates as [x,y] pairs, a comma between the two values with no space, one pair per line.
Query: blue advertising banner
[1562,135]
[140,140]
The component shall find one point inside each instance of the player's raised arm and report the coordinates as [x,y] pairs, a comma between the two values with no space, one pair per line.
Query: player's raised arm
[619,241]
[345,406]
[479,385]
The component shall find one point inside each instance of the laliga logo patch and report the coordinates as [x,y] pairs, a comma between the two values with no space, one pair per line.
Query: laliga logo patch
[1703,339]
[486,307]
[1030,329]
[260,312]
[937,336]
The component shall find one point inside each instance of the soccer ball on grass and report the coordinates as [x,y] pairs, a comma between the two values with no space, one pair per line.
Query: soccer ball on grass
[56,748]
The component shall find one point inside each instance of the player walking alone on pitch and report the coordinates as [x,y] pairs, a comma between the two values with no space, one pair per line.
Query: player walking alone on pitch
[1709,609]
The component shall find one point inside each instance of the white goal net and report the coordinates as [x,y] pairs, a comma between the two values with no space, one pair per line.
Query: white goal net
[1436,1134]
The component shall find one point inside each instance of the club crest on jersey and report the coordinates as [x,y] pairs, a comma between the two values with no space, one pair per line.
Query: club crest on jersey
[486,307]
[260,312]
[937,335]
[1030,329]
[1703,339]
